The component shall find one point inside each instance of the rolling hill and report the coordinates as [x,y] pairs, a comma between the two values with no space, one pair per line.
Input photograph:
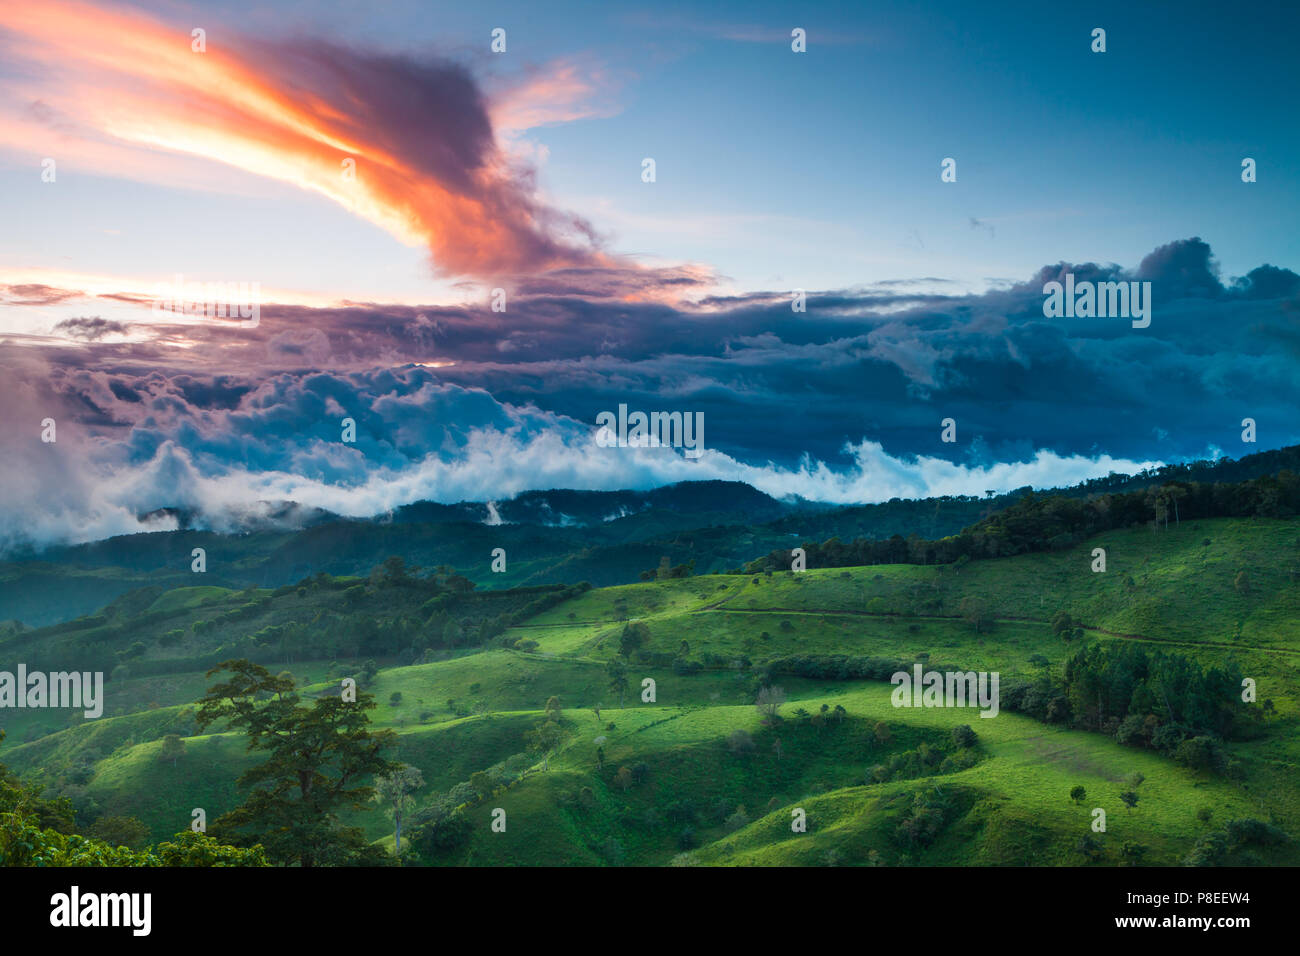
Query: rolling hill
[696,775]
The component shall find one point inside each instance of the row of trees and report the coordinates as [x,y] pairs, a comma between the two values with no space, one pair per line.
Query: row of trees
[1046,522]
[1143,698]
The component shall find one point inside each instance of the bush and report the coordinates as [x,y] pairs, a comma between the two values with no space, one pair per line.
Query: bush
[1250,831]
[1209,850]
[446,831]
[737,820]
[740,742]
[1202,753]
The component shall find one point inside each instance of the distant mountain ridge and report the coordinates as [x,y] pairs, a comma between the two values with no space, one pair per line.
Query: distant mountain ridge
[550,537]
[563,508]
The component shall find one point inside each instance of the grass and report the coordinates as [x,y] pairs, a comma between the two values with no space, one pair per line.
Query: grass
[1012,807]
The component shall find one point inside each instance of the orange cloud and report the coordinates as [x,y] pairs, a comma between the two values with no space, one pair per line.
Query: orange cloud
[562,92]
[406,145]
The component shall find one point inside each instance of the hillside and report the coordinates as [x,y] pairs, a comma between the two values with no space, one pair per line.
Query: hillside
[550,537]
[695,776]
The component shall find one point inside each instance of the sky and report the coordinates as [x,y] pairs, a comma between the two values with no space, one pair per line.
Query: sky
[378,170]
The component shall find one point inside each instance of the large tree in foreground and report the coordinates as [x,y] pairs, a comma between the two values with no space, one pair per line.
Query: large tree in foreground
[318,754]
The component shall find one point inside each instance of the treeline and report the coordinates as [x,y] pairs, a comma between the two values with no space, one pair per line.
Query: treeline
[394,612]
[1144,698]
[1038,523]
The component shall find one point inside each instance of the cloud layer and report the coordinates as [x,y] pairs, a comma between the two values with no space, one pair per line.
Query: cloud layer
[841,403]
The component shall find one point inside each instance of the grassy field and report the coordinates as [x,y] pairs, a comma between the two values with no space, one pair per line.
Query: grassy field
[1214,591]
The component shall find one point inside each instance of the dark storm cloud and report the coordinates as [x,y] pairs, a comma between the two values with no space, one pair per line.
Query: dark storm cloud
[834,402]
[91,329]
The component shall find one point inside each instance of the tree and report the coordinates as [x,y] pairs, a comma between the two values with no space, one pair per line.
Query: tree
[481,783]
[396,791]
[1062,624]
[1174,494]
[547,736]
[1078,794]
[317,756]
[617,674]
[392,572]
[883,736]
[736,820]
[1133,852]
[119,831]
[975,612]
[1135,779]
[963,736]
[1090,846]
[1201,753]
[634,637]
[769,704]
[1130,799]
[173,748]
[624,779]
[553,711]
[740,742]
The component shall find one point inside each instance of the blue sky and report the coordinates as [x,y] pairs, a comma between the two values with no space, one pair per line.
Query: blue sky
[818,170]
[775,171]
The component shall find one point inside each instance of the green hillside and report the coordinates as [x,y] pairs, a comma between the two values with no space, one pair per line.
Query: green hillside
[697,775]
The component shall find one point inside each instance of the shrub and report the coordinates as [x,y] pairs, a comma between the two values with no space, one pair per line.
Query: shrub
[737,820]
[740,742]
